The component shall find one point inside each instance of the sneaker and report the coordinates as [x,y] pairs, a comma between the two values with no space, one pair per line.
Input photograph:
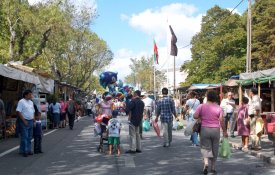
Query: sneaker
[245,149]
[166,145]
[138,151]
[25,155]
[130,152]
[232,136]
[30,153]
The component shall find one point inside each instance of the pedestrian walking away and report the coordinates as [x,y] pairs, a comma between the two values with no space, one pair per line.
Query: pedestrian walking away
[136,108]
[211,116]
[71,111]
[165,110]
[25,111]
[191,105]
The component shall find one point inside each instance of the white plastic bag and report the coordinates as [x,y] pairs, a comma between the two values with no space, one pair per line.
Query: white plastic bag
[97,129]
[175,125]
[189,128]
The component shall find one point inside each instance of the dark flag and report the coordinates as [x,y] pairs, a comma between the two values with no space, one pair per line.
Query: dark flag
[174,48]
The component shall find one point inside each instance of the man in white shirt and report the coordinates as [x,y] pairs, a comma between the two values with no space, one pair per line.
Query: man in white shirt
[228,105]
[148,105]
[25,111]
[254,108]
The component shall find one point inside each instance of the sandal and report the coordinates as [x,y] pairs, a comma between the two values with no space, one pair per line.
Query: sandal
[213,172]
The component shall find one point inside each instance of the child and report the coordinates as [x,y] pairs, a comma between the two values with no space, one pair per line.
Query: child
[114,127]
[37,133]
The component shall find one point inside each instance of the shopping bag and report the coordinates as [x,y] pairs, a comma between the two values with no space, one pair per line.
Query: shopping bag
[224,149]
[259,126]
[146,125]
[97,129]
[156,128]
[189,128]
[175,125]
[180,125]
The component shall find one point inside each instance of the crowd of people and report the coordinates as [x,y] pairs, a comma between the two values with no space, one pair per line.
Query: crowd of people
[213,115]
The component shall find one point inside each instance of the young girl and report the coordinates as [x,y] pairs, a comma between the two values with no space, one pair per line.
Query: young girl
[243,123]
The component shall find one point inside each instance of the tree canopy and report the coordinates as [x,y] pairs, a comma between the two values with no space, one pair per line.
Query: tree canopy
[53,36]
[219,49]
[142,74]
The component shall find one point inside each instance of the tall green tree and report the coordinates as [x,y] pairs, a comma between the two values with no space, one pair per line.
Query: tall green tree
[218,50]
[263,35]
[142,74]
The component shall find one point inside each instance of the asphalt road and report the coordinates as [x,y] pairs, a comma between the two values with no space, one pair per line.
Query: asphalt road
[73,152]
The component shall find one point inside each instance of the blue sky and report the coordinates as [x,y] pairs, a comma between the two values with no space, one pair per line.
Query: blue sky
[129,26]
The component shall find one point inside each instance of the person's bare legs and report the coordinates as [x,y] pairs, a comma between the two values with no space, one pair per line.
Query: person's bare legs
[118,150]
[110,149]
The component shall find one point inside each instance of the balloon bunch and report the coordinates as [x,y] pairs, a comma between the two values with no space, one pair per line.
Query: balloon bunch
[117,90]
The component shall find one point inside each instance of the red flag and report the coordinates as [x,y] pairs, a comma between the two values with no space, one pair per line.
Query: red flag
[156,54]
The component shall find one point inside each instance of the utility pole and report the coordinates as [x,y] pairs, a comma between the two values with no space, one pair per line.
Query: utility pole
[249,33]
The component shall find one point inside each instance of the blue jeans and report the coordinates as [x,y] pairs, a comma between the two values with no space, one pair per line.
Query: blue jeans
[26,136]
[194,136]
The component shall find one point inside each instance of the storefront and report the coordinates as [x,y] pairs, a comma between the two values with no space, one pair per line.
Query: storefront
[12,84]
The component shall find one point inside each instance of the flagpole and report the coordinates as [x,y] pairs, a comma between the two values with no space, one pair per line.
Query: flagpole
[155,95]
[174,75]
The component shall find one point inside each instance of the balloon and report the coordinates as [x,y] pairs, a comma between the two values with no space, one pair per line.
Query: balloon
[107,78]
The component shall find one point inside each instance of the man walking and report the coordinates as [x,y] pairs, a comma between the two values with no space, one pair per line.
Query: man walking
[25,111]
[228,105]
[166,110]
[136,108]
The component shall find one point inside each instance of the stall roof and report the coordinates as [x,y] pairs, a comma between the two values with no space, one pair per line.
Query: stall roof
[257,77]
[45,85]
[204,86]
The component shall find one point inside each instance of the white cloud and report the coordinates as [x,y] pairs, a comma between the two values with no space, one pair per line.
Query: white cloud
[184,21]
[154,22]
[122,61]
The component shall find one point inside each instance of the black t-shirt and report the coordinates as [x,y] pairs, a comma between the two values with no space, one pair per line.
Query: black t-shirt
[136,107]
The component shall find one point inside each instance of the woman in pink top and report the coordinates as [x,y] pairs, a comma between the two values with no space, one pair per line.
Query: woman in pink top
[63,105]
[106,105]
[211,116]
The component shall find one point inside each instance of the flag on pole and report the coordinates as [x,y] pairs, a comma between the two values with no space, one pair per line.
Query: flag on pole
[156,54]
[174,48]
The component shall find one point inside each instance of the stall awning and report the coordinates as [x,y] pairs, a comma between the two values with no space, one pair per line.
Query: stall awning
[257,77]
[45,85]
[204,86]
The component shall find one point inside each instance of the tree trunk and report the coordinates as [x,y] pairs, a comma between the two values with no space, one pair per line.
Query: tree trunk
[40,48]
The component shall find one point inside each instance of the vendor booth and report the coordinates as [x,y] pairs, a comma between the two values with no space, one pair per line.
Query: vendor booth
[13,81]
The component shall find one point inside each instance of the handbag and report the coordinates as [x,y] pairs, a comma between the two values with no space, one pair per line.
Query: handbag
[197,127]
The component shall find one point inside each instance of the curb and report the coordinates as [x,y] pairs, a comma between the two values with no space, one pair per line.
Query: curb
[259,155]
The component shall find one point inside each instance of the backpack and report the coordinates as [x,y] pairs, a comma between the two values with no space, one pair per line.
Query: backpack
[71,108]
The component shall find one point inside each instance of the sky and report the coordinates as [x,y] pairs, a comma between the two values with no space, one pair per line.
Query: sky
[130,26]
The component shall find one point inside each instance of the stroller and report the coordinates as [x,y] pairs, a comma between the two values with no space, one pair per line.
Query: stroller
[101,130]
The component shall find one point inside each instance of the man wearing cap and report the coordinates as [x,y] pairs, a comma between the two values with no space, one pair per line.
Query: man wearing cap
[135,109]
[25,111]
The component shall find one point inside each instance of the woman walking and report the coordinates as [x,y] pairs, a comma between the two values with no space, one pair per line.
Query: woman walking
[244,123]
[55,109]
[191,105]
[211,116]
